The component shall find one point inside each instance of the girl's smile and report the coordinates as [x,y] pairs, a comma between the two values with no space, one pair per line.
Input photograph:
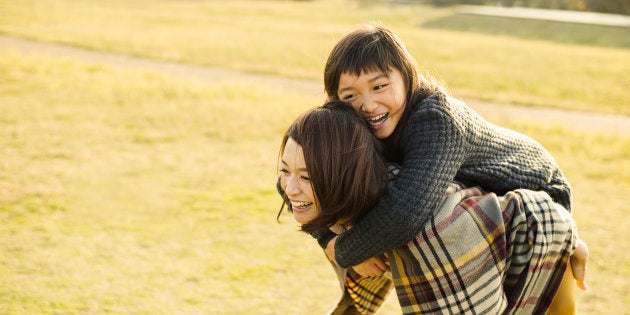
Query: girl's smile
[379,97]
[377,121]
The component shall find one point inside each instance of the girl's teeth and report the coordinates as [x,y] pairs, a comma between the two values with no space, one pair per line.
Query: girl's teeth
[377,120]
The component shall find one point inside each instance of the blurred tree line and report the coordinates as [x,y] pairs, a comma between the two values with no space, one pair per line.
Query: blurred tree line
[607,6]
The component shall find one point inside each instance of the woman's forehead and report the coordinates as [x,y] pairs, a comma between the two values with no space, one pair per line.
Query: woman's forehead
[293,156]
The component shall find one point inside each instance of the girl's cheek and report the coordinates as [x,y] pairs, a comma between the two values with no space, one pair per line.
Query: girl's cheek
[356,106]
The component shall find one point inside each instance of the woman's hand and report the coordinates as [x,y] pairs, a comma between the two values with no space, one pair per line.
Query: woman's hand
[372,267]
[578,264]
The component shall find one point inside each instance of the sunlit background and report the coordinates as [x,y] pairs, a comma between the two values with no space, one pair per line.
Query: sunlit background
[138,140]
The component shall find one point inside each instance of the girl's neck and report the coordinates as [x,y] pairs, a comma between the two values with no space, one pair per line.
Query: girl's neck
[393,151]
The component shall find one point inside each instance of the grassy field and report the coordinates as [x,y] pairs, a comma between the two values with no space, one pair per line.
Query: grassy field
[520,64]
[135,192]
[561,32]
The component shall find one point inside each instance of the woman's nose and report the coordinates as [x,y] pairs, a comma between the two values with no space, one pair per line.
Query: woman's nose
[292,188]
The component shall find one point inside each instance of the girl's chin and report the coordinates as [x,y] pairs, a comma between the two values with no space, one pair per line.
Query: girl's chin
[383,131]
[382,134]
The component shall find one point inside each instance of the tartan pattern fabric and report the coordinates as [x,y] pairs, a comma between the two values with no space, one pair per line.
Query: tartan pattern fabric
[484,254]
[361,295]
[542,243]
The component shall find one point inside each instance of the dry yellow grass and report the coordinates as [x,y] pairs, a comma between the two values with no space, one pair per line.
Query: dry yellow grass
[293,38]
[125,191]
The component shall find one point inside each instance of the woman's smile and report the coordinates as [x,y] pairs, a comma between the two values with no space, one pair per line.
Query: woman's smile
[296,183]
[300,205]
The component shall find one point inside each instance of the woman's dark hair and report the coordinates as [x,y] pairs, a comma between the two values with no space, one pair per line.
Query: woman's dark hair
[344,160]
[376,48]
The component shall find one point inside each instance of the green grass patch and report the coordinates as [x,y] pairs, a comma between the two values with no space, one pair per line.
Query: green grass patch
[134,192]
[559,32]
[293,38]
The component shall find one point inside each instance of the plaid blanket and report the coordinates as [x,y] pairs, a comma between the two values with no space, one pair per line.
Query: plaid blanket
[480,254]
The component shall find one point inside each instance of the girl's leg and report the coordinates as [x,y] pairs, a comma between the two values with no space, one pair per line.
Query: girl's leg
[564,301]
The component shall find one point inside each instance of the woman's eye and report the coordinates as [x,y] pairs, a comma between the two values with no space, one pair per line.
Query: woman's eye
[284,171]
[305,178]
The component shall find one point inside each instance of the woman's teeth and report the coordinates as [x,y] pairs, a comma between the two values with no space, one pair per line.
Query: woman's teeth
[300,204]
[377,120]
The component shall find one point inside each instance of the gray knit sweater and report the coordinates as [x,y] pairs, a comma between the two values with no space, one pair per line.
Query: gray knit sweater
[445,140]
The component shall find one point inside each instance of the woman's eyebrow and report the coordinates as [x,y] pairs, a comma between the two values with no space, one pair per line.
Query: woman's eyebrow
[302,169]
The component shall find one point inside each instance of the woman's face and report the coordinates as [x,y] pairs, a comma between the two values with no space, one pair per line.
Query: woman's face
[378,97]
[296,183]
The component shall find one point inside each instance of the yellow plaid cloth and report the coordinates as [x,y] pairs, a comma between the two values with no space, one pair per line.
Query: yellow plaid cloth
[479,254]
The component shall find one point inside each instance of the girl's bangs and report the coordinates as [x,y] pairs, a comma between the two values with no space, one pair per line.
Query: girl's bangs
[368,59]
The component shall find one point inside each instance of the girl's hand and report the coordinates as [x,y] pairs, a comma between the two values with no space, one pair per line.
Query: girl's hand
[372,267]
[578,264]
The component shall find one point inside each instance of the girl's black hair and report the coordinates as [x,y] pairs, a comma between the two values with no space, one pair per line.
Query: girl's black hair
[377,48]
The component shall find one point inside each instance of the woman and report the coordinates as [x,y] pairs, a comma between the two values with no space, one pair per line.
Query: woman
[479,252]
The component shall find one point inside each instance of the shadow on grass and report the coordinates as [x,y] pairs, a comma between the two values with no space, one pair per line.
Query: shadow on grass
[562,32]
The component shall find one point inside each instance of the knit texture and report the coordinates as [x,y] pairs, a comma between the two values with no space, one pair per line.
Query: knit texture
[445,140]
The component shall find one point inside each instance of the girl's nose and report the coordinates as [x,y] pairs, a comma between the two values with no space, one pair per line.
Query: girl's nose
[368,106]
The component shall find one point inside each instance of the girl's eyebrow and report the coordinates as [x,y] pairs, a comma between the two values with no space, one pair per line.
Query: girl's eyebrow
[380,75]
[376,77]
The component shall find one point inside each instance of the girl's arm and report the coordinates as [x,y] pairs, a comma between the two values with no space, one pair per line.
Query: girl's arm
[559,189]
[444,138]
[434,151]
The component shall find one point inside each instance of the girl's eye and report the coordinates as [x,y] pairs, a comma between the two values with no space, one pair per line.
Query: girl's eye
[284,171]
[348,97]
[380,86]
[305,178]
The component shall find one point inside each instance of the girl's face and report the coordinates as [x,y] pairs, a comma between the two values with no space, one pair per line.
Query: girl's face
[378,97]
[296,183]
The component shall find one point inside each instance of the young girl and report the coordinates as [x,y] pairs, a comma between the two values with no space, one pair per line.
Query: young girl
[478,253]
[436,139]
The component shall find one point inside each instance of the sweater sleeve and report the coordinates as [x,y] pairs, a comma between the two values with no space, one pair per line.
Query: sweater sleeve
[559,189]
[434,150]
